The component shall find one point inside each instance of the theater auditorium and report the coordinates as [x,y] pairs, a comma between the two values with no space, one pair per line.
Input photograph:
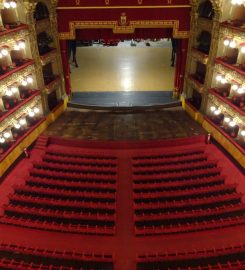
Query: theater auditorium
[122,134]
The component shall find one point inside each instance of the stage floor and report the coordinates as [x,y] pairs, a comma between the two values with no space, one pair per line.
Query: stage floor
[123,68]
[123,99]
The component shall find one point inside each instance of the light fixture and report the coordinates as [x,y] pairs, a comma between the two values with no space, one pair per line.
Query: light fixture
[232,123]
[16,47]
[4,52]
[22,121]
[1,56]
[22,44]
[24,83]
[31,113]
[7,5]
[12,4]
[243,49]
[14,89]
[223,81]
[240,90]
[218,77]
[243,133]
[17,125]
[226,42]
[212,108]
[217,112]
[2,140]
[36,110]
[234,87]
[9,93]
[232,44]
[29,79]
[6,135]
[227,119]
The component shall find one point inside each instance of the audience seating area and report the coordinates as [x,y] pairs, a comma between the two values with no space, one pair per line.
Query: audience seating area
[183,191]
[19,257]
[68,191]
[117,206]
[211,259]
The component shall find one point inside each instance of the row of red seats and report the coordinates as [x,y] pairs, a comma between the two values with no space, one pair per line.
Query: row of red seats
[199,203]
[210,259]
[169,160]
[175,168]
[74,168]
[63,193]
[66,216]
[189,227]
[71,175]
[169,177]
[70,184]
[51,202]
[184,193]
[171,154]
[80,161]
[213,180]
[232,210]
[22,257]
[81,154]
[52,226]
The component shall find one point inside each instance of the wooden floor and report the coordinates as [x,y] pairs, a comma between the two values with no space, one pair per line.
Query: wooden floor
[123,69]
[93,125]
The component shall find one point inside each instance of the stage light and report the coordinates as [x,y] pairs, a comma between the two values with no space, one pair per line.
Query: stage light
[22,121]
[6,135]
[217,112]
[36,110]
[2,140]
[227,119]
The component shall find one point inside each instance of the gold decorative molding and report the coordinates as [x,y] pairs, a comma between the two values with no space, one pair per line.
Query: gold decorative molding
[42,25]
[119,28]
[197,86]
[16,77]
[225,108]
[9,39]
[239,36]
[11,119]
[199,56]
[48,57]
[53,85]
[123,7]
[204,24]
